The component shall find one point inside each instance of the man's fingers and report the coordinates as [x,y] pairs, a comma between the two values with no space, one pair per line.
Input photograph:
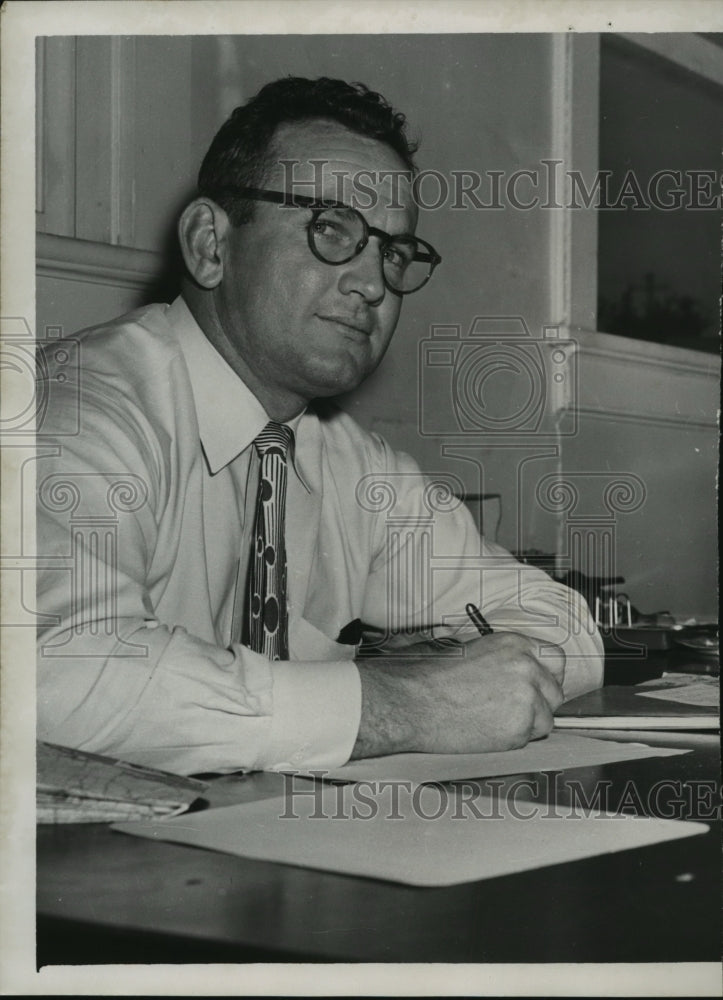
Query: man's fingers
[549,688]
[544,720]
[554,659]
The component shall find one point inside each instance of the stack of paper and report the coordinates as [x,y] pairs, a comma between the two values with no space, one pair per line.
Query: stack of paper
[427,836]
[675,701]
[385,821]
[78,787]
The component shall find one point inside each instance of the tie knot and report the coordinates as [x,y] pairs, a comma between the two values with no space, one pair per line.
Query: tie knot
[274,435]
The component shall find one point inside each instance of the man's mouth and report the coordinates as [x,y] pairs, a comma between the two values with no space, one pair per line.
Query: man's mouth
[351,323]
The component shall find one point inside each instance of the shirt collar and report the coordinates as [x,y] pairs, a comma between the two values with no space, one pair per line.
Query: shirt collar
[229,415]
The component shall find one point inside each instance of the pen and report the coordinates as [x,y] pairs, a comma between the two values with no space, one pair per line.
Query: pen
[483,627]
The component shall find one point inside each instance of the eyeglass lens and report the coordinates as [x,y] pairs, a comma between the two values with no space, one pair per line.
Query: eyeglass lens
[338,235]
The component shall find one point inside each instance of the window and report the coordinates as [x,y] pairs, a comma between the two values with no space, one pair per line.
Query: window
[660,140]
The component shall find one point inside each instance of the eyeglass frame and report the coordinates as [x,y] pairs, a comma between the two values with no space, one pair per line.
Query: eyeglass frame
[317,206]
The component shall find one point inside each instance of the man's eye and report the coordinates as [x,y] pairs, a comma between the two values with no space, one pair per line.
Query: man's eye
[399,255]
[329,230]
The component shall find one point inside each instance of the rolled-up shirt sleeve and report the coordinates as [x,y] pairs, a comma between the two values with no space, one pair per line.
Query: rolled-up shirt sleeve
[188,706]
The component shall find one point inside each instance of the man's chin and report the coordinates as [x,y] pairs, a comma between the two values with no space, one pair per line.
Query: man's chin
[339,381]
[338,389]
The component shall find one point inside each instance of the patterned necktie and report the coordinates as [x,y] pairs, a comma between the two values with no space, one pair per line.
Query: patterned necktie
[267,613]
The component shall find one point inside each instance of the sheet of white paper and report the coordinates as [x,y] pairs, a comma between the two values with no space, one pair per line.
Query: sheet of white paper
[427,837]
[707,695]
[555,753]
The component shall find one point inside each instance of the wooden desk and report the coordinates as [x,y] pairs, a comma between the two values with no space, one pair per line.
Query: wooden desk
[109,897]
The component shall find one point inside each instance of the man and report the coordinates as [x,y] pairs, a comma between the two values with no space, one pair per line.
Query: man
[190,631]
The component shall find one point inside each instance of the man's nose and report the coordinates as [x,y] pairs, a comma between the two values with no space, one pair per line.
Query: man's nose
[364,274]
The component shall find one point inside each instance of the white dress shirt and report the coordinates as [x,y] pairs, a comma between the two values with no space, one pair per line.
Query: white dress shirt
[146,486]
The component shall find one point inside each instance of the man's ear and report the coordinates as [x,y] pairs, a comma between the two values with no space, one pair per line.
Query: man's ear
[202,231]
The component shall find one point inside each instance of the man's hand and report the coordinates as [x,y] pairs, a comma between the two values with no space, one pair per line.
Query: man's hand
[498,695]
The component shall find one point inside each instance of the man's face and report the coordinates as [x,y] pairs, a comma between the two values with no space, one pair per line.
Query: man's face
[301,328]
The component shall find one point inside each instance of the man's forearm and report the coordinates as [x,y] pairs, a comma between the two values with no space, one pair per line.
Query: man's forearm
[496,695]
[384,726]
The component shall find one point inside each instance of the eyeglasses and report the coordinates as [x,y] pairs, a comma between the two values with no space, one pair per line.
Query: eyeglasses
[338,233]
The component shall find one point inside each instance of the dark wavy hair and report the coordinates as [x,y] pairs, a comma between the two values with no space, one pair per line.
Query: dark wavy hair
[242,150]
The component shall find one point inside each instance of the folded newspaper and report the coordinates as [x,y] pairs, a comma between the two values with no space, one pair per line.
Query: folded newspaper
[78,787]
